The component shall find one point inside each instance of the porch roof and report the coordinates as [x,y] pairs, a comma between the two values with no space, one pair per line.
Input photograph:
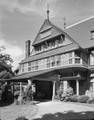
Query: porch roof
[37,75]
[72,78]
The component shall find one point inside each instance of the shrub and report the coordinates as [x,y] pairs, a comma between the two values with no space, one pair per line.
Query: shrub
[90,101]
[57,97]
[74,98]
[66,95]
[83,99]
[28,94]
[21,118]
[69,91]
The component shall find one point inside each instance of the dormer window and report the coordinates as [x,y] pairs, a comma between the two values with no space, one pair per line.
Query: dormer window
[92,34]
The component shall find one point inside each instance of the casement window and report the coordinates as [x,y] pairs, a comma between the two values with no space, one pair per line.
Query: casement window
[22,66]
[48,62]
[70,58]
[92,58]
[58,60]
[29,66]
[77,60]
[36,65]
[53,61]
[77,57]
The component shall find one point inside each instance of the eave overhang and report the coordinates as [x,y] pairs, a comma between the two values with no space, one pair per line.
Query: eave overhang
[51,52]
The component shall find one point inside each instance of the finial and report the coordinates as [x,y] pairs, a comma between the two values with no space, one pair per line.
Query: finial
[64,22]
[48,11]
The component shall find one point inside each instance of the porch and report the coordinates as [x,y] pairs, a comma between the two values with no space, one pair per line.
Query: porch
[47,82]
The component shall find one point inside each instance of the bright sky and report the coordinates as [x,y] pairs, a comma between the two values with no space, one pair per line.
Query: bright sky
[20,20]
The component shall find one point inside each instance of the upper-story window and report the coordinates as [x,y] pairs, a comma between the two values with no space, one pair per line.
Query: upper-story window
[58,60]
[29,66]
[22,67]
[48,62]
[36,65]
[92,58]
[77,57]
[70,58]
[53,61]
[49,44]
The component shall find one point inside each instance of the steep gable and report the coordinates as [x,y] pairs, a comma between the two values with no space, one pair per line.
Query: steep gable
[48,31]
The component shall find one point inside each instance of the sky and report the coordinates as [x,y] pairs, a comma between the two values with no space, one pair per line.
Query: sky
[20,20]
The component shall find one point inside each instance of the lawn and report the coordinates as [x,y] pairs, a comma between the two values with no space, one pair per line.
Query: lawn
[13,111]
[49,111]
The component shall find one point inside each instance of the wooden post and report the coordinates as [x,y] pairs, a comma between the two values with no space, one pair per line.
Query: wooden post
[77,87]
[53,90]
[20,97]
[65,85]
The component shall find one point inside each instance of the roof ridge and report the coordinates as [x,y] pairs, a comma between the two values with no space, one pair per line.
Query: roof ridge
[64,32]
[79,22]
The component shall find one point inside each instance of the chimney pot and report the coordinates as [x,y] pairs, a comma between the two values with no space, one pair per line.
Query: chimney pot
[27,51]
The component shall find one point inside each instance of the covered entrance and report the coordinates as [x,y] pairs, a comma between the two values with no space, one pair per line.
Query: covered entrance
[72,83]
[43,90]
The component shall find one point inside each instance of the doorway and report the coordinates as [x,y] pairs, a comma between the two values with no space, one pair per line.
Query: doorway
[72,83]
[43,90]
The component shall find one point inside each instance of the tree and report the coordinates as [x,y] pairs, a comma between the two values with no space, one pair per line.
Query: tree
[5,73]
[5,65]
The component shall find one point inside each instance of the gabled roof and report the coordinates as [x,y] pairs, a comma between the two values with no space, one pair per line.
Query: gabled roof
[80,32]
[55,31]
[46,26]
[73,45]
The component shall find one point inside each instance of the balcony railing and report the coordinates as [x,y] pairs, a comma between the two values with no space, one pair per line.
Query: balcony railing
[55,64]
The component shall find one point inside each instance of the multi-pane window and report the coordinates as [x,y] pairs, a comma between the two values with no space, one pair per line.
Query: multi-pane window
[53,61]
[77,60]
[70,58]
[22,67]
[36,65]
[53,43]
[92,58]
[58,60]
[29,66]
[77,57]
[60,40]
[48,62]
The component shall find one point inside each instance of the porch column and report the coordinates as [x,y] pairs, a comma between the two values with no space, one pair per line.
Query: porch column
[30,84]
[65,85]
[20,96]
[93,89]
[53,90]
[20,89]
[77,87]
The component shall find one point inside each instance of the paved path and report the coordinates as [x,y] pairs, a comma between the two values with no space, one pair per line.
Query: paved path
[64,111]
[49,111]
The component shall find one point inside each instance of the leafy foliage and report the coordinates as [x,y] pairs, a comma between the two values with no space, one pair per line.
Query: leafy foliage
[83,99]
[5,73]
[28,94]
[74,98]
[66,95]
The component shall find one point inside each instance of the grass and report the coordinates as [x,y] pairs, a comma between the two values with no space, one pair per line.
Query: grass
[12,112]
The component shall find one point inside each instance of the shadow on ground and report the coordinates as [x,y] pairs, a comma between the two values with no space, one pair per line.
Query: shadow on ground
[7,103]
[70,115]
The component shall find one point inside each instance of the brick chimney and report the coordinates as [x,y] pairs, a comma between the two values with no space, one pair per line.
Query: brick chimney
[27,48]
[92,34]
